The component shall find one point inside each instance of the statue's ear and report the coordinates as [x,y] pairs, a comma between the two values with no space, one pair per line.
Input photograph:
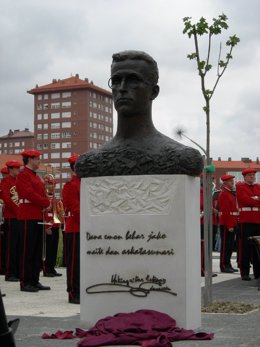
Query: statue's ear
[155,92]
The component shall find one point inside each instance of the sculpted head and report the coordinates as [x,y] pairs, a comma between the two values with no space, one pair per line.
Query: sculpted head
[134,78]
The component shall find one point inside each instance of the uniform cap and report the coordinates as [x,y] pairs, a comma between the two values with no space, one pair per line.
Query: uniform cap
[4,170]
[248,170]
[31,153]
[13,163]
[73,158]
[226,177]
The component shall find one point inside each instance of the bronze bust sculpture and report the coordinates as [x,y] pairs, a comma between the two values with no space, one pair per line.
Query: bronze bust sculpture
[137,148]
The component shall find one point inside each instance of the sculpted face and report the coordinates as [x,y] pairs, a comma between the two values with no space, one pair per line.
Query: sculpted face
[132,91]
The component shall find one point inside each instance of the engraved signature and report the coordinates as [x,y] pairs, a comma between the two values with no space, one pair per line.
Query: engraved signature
[142,290]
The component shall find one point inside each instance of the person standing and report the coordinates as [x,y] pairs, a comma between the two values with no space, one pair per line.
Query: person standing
[11,202]
[71,202]
[228,219]
[5,173]
[32,204]
[52,228]
[248,199]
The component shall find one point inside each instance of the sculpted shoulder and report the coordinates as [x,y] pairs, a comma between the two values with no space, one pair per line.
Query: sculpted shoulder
[156,155]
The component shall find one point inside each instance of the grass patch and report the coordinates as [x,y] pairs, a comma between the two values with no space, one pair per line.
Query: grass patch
[229,307]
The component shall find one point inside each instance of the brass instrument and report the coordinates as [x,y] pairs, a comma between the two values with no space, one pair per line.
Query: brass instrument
[14,195]
[57,206]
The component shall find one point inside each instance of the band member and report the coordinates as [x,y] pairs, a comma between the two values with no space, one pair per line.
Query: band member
[53,219]
[11,202]
[32,203]
[71,201]
[4,173]
[248,199]
[228,219]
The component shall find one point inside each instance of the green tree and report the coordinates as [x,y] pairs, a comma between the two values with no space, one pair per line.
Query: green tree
[204,66]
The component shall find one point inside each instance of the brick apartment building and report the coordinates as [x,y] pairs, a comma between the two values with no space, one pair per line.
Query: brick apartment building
[16,141]
[70,116]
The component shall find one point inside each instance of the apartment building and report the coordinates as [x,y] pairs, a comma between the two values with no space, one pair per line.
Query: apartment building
[16,141]
[70,116]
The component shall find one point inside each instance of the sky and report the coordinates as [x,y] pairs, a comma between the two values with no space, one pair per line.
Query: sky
[42,40]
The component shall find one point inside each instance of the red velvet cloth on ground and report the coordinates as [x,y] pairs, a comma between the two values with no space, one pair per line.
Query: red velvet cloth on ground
[146,328]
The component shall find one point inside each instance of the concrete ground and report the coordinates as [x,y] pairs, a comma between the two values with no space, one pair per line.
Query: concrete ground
[49,311]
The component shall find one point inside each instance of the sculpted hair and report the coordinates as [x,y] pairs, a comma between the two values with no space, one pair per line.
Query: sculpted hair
[139,55]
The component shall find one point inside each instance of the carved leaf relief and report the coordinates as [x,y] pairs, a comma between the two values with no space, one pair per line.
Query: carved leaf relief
[129,195]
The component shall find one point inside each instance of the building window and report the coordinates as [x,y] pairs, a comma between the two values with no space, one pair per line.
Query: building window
[39,126]
[66,134]
[45,146]
[39,97]
[45,106]
[66,104]
[55,105]
[39,116]
[66,124]
[55,155]
[66,114]
[10,144]
[45,136]
[39,106]
[66,94]
[66,154]
[55,115]
[45,156]
[10,151]
[39,136]
[55,145]
[17,144]
[39,146]
[66,145]
[55,125]
[16,151]
[45,116]
[65,165]
[45,96]
[55,135]
[45,126]
[57,166]
[55,95]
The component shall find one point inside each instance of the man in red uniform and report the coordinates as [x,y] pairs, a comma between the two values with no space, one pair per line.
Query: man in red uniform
[11,202]
[248,198]
[228,218]
[71,202]
[32,203]
[4,172]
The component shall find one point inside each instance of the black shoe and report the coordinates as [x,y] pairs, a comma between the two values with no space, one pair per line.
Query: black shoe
[74,301]
[12,279]
[57,274]
[29,288]
[39,286]
[246,278]
[48,274]
[234,270]
[214,275]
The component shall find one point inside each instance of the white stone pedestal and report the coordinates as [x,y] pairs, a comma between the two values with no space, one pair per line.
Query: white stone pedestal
[140,247]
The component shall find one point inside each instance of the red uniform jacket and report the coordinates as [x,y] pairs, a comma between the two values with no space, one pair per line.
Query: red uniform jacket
[71,202]
[9,192]
[249,209]
[228,210]
[32,195]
